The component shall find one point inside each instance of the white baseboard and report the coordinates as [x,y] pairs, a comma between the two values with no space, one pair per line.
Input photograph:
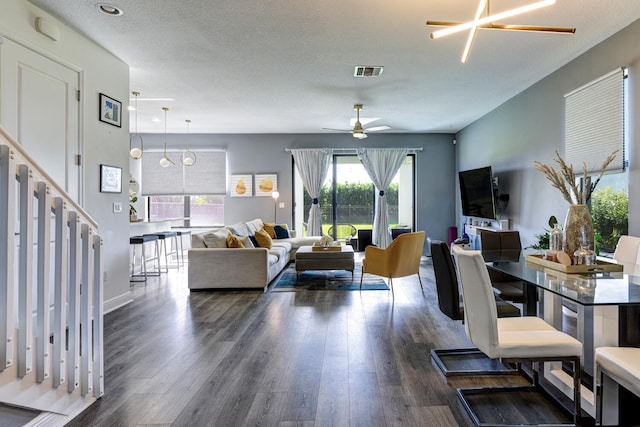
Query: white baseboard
[117,302]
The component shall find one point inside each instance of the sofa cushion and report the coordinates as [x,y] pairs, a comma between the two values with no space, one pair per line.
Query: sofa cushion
[234,241]
[279,251]
[281,231]
[216,239]
[271,259]
[296,242]
[282,244]
[254,225]
[197,241]
[239,229]
[263,238]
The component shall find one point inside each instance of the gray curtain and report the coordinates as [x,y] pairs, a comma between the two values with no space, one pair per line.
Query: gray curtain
[313,165]
[382,164]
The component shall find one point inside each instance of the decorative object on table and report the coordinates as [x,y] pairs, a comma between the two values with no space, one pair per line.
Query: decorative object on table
[266,184]
[188,157]
[327,246]
[136,145]
[578,215]
[110,111]
[241,185]
[584,255]
[556,240]
[538,262]
[325,240]
[110,179]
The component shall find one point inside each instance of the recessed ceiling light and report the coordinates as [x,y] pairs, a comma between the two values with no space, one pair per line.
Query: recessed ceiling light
[109,9]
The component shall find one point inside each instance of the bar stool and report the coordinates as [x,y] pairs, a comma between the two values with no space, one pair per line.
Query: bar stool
[180,234]
[136,241]
[163,236]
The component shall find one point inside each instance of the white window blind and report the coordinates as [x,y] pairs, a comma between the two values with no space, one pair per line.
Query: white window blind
[206,177]
[594,123]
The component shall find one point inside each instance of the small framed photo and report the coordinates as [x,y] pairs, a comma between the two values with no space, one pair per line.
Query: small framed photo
[266,184]
[241,185]
[110,179]
[110,111]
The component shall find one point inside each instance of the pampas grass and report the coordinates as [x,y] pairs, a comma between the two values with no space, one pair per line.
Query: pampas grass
[564,179]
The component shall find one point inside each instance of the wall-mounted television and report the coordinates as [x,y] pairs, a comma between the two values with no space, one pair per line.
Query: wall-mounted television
[476,191]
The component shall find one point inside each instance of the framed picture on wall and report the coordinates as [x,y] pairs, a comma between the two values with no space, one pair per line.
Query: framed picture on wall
[110,179]
[110,111]
[266,184]
[241,185]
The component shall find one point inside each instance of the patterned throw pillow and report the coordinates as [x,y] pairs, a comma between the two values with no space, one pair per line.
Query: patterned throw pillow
[281,231]
[247,242]
[233,241]
[263,238]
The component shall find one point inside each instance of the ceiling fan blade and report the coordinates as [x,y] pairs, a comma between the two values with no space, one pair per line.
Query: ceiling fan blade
[378,128]
[339,130]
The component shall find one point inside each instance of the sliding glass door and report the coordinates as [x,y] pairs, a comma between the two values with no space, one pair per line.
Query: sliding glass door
[347,200]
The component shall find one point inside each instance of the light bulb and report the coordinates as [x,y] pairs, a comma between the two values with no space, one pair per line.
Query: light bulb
[135,153]
[188,161]
[165,162]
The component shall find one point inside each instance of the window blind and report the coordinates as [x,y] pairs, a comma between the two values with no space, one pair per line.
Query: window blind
[594,123]
[206,177]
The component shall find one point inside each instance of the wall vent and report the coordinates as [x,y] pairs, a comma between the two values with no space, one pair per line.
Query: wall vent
[367,71]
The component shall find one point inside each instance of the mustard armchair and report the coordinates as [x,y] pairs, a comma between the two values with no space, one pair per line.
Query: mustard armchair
[401,258]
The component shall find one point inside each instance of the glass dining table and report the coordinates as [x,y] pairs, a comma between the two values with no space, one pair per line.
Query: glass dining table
[606,307]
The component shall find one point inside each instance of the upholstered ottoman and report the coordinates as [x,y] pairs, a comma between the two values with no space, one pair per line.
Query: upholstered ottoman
[308,259]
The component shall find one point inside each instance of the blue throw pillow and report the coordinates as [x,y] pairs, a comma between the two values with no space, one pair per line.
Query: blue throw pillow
[281,232]
[254,241]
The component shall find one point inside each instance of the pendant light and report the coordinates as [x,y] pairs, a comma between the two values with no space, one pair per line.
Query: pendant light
[165,161]
[136,151]
[188,158]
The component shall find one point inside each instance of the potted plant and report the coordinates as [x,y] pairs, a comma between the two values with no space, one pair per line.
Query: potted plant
[133,214]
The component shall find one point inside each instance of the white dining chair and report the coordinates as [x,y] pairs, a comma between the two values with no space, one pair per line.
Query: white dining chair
[622,365]
[511,339]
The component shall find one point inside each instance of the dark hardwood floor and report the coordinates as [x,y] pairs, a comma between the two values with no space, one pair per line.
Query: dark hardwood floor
[307,358]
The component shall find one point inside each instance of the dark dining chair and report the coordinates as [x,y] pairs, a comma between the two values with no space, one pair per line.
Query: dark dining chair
[492,244]
[452,361]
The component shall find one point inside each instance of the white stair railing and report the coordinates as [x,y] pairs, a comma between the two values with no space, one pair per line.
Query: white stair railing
[51,291]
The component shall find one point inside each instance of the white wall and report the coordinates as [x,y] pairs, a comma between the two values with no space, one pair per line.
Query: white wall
[101,72]
[530,127]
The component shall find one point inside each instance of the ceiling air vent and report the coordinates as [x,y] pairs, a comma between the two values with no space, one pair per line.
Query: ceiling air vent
[367,71]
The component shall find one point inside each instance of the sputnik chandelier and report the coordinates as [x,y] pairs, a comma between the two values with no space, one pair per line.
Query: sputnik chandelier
[488,22]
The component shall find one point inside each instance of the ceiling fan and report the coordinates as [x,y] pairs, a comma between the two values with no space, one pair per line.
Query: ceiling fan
[358,131]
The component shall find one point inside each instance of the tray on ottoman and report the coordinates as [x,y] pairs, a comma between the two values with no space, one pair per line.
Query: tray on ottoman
[318,247]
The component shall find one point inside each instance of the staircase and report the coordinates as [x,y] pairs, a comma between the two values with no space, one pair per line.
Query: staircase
[51,294]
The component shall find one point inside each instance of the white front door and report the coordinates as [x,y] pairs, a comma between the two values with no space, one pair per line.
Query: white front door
[39,107]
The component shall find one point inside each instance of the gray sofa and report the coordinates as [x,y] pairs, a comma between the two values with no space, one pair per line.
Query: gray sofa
[214,266]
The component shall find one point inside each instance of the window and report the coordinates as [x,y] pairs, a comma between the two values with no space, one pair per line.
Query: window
[198,211]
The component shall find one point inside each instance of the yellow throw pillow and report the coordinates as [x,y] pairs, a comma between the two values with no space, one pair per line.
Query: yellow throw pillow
[234,242]
[268,227]
[263,238]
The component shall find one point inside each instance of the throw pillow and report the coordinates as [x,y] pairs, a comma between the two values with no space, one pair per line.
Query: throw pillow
[246,241]
[268,227]
[281,231]
[217,239]
[263,238]
[234,241]
[254,241]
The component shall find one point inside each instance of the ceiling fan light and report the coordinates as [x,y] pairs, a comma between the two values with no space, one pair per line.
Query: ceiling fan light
[359,134]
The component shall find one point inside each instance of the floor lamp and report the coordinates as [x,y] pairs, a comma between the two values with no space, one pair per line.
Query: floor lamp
[275,196]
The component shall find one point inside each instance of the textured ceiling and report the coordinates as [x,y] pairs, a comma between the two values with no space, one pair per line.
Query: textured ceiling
[286,66]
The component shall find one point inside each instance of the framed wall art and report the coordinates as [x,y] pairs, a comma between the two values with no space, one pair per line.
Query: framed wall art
[110,179]
[266,184]
[241,185]
[110,111]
